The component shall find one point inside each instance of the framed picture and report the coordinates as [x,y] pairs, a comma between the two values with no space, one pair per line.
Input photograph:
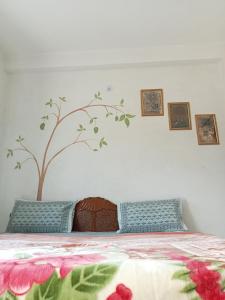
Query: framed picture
[152,102]
[179,116]
[207,132]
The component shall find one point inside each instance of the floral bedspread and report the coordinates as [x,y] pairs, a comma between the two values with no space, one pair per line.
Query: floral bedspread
[122,267]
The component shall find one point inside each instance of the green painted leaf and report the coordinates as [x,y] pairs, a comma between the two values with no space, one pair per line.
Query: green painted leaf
[121,102]
[181,274]
[122,117]
[95,150]
[45,117]
[116,118]
[9,153]
[19,139]
[63,99]
[81,128]
[102,142]
[130,116]
[188,288]
[109,114]
[127,122]
[49,103]
[91,279]
[42,126]
[95,129]
[93,119]
[46,291]
[98,96]
[196,298]
[8,296]
[18,165]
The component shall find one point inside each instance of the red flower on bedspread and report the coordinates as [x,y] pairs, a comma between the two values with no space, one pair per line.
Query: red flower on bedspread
[207,281]
[18,276]
[122,293]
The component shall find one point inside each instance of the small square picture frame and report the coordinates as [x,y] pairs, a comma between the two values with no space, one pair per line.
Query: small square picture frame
[207,131]
[179,116]
[152,102]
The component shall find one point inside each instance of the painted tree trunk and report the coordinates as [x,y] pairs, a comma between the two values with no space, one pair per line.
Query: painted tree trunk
[40,188]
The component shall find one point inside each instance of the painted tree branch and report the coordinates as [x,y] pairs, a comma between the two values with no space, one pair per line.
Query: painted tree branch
[58,121]
[24,149]
[61,150]
[89,106]
[33,156]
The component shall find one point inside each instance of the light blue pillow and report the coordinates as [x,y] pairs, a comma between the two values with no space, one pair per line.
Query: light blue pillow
[151,216]
[37,216]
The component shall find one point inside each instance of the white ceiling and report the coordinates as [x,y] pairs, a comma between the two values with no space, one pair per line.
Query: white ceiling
[36,26]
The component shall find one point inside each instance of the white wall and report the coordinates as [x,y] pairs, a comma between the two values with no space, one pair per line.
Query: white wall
[2,106]
[2,124]
[2,82]
[146,161]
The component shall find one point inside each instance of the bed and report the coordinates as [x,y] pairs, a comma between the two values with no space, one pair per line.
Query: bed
[95,262]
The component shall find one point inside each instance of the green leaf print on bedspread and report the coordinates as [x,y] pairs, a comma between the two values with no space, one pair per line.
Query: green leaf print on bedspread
[83,283]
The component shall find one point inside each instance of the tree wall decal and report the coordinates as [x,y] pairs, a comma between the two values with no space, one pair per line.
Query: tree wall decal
[114,111]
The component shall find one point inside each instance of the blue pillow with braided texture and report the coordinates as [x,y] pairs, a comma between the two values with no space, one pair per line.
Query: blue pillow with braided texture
[151,216]
[41,216]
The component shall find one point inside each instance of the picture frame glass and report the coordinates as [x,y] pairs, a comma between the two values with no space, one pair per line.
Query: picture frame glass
[152,102]
[207,132]
[179,116]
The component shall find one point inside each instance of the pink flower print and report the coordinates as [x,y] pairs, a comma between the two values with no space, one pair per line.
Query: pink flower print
[4,276]
[67,263]
[122,293]
[196,265]
[207,281]
[22,276]
[176,256]
[18,276]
